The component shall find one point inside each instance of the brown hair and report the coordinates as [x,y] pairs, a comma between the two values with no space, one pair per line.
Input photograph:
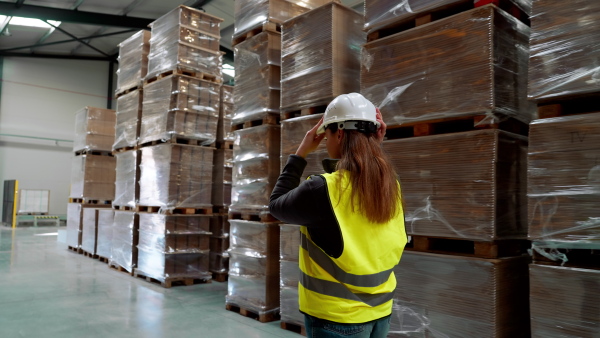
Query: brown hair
[372,176]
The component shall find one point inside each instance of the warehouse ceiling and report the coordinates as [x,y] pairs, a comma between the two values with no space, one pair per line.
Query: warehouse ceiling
[93,29]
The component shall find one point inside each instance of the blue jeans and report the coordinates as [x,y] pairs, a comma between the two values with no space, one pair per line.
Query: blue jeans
[320,328]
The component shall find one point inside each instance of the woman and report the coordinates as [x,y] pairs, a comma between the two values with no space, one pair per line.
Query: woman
[352,233]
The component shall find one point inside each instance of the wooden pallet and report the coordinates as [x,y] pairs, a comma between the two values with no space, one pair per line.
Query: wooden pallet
[455,125]
[123,208]
[119,268]
[103,259]
[186,72]
[263,318]
[75,250]
[270,119]
[303,112]
[176,139]
[90,255]
[265,27]
[569,106]
[256,216]
[481,249]
[173,281]
[300,329]
[93,152]
[175,211]
[225,144]
[220,276]
[89,201]
[128,90]
[122,150]
[220,210]
[444,12]
[577,258]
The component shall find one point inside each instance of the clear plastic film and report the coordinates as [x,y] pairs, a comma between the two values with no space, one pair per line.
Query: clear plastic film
[133,61]
[255,168]
[218,262]
[188,17]
[127,176]
[565,48]
[93,177]
[289,242]
[221,194]
[564,301]
[224,132]
[180,106]
[564,179]
[292,133]
[250,14]
[176,176]
[254,265]
[106,219]
[289,308]
[320,56]
[219,243]
[472,63]
[94,129]
[468,185]
[161,266]
[257,77]
[290,273]
[74,225]
[445,296]
[381,14]
[128,115]
[124,240]
[219,225]
[89,228]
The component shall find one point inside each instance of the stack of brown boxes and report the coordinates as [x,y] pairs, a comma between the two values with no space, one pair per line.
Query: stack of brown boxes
[180,113]
[463,186]
[564,168]
[289,243]
[92,173]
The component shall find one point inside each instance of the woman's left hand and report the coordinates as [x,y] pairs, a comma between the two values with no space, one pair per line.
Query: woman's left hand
[311,141]
[382,126]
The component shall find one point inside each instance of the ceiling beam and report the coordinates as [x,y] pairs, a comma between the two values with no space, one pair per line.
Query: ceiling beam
[77,4]
[19,3]
[78,39]
[4,25]
[55,56]
[67,41]
[73,16]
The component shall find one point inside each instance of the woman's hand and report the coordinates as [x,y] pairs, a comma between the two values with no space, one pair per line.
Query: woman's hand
[311,141]
[382,127]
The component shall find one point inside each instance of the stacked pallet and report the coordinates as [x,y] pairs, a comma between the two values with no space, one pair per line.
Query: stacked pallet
[291,318]
[180,114]
[456,121]
[92,175]
[564,169]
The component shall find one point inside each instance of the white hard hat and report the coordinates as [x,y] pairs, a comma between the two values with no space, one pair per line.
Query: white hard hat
[346,108]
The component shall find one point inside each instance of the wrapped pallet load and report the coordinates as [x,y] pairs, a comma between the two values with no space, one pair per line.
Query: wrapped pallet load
[133,61]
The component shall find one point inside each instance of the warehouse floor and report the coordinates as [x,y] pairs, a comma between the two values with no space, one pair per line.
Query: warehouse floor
[48,291]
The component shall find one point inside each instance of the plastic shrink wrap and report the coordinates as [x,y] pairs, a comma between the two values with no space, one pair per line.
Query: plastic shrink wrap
[380,14]
[468,185]
[180,106]
[221,194]
[94,129]
[565,48]
[74,225]
[124,252]
[127,189]
[173,246]
[224,132]
[176,176]
[255,167]
[472,63]
[447,296]
[289,243]
[250,14]
[133,61]
[106,219]
[257,77]
[321,55]
[187,39]
[219,225]
[292,133]
[565,302]
[89,230]
[289,246]
[128,115]
[254,266]
[564,179]
[93,177]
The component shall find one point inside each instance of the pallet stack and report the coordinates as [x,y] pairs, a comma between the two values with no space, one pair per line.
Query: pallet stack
[291,318]
[92,174]
[180,113]
[564,169]
[457,123]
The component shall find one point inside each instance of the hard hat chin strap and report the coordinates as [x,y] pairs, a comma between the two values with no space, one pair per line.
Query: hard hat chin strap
[365,127]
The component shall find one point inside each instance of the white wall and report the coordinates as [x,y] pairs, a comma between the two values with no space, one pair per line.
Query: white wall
[39,98]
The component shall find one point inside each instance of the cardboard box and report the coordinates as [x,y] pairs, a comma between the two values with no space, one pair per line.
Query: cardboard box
[94,129]
[292,133]
[133,61]
[124,251]
[93,177]
[128,116]
[106,219]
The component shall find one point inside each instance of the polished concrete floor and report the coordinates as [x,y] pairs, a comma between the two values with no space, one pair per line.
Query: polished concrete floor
[48,291]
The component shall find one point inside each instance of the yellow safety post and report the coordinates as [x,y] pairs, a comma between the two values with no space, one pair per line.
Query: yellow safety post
[15,201]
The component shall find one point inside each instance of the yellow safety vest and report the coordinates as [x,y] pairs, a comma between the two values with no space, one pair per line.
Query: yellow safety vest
[358,286]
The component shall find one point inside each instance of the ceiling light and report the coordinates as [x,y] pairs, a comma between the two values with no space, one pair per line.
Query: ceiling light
[28,22]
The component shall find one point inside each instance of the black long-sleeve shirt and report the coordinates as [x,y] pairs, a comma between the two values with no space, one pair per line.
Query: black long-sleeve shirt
[307,203]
